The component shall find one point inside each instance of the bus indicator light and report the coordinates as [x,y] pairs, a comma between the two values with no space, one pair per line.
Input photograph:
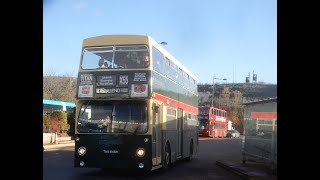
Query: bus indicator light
[141,165]
[81,163]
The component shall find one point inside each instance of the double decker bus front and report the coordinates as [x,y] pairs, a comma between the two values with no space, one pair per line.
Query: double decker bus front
[112,109]
[113,134]
[204,123]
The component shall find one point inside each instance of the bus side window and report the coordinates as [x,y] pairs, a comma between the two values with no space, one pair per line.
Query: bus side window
[158,61]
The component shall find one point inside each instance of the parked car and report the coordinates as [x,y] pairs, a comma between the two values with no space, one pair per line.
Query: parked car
[233,134]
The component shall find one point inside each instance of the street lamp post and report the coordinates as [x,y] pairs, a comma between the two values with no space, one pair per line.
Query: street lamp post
[224,79]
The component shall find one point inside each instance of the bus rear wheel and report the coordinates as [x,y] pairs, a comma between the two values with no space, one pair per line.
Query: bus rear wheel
[166,157]
[190,151]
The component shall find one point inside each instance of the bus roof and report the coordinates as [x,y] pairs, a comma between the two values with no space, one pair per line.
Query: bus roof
[209,107]
[123,39]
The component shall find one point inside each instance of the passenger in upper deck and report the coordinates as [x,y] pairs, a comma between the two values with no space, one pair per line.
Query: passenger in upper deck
[145,61]
[102,64]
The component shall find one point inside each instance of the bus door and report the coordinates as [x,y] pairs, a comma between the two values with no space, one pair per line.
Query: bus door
[219,130]
[156,134]
[211,133]
[180,131]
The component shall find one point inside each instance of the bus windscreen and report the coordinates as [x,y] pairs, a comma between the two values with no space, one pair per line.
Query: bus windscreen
[115,57]
[109,117]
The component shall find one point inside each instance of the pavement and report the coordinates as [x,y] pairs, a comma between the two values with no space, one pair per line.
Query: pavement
[249,170]
[61,144]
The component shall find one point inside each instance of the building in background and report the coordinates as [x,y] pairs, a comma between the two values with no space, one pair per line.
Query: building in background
[260,132]
[51,105]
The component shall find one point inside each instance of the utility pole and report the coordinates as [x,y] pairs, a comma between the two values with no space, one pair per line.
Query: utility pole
[212,91]
[213,87]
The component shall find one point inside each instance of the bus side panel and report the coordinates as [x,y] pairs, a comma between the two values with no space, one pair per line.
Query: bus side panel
[190,132]
[186,142]
[172,90]
[171,137]
[169,89]
[186,138]
[170,133]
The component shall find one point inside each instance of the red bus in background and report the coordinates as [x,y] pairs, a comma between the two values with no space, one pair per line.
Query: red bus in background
[212,122]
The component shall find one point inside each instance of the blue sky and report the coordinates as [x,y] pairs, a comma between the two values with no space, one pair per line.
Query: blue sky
[225,38]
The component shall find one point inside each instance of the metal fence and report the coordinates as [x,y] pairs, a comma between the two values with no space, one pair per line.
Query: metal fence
[259,142]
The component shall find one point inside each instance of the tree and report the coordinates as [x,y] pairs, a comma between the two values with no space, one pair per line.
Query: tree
[225,98]
[50,83]
[58,122]
[62,88]
[45,123]
[237,111]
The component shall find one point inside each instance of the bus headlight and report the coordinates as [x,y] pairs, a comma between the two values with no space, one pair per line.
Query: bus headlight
[140,152]
[82,151]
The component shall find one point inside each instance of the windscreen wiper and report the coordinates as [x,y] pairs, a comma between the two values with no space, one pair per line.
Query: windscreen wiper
[136,130]
[84,108]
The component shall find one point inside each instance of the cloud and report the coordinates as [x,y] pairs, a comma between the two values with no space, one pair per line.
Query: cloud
[79,6]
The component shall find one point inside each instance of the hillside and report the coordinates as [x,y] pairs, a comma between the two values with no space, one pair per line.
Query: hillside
[63,88]
[250,91]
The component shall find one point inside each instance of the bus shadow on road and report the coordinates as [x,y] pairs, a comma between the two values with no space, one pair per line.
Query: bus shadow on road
[129,174]
[122,174]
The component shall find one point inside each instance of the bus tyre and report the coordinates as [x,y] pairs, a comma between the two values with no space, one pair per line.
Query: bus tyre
[166,157]
[190,152]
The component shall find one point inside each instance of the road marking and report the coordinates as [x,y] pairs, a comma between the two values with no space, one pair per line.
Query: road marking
[53,157]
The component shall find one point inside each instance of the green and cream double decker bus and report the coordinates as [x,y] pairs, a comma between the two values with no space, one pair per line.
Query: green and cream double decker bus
[130,113]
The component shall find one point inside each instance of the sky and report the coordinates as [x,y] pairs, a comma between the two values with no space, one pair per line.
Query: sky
[212,38]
